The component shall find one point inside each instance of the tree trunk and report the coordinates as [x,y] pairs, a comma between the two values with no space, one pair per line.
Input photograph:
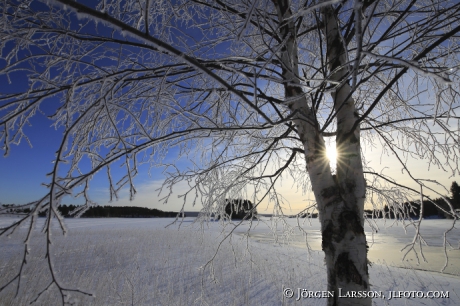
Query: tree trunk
[340,198]
[342,217]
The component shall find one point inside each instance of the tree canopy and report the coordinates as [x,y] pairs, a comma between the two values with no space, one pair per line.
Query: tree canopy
[455,192]
[240,209]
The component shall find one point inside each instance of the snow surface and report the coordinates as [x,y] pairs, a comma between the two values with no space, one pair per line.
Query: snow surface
[140,262]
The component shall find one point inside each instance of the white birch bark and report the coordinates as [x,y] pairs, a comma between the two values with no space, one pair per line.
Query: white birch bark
[344,241]
[341,199]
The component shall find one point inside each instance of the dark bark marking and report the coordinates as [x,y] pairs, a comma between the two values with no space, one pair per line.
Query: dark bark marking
[350,186]
[327,235]
[330,192]
[349,221]
[343,137]
[346,270]
[353,139]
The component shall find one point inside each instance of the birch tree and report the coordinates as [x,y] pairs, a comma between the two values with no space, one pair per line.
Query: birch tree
[249,91]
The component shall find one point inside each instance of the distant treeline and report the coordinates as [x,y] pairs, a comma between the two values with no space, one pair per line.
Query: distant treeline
[408,210]
[105,212]
[438,208]
[118,212]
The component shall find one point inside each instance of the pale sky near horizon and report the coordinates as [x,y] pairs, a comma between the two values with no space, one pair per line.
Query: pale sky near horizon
[25,169]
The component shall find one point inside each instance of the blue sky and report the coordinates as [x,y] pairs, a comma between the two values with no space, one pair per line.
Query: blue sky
[23,171]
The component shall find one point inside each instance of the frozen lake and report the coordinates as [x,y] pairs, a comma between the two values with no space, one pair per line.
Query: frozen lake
[143,262]
[385,245]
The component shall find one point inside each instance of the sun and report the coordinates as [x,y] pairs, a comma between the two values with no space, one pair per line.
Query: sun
[331,154]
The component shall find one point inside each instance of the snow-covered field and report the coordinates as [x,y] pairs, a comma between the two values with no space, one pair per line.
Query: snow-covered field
[140,262]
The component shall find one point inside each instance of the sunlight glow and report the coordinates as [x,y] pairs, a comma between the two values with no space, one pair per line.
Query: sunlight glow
[331,154]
